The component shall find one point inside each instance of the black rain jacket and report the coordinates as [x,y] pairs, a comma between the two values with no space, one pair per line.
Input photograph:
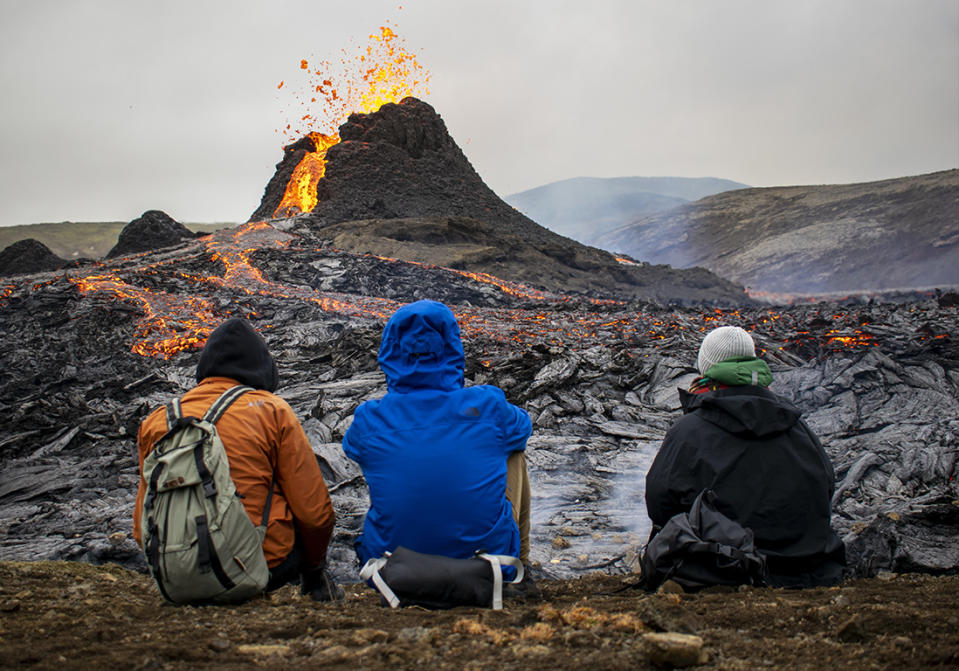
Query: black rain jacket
[768,470]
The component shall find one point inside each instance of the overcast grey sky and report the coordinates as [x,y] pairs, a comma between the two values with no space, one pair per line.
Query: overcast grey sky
[113,107]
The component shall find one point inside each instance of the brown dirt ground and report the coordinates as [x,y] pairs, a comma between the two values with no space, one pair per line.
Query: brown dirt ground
[60,615]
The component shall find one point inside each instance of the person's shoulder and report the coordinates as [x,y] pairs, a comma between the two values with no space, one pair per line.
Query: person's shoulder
[156,420]
[690,422]
[158,412]
[490,401]
[152,428]
[265,405]
[484,390]
[365,413]
[371,405]
[262,398]
[484,394]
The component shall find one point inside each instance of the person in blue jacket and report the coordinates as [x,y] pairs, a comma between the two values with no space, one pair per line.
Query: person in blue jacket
[434,453]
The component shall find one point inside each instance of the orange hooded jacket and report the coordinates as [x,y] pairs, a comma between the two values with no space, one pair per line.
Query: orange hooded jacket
[262,436]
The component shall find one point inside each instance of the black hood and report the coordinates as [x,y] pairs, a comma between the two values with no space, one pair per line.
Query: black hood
[235,350]
[746,411]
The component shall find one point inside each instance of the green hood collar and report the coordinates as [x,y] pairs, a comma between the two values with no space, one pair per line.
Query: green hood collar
[740,371]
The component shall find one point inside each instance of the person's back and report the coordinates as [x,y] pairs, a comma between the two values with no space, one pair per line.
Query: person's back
[434,453]
[265,445]
[765,466]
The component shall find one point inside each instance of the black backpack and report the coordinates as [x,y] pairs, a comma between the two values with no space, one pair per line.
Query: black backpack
[408,578]
[702,548]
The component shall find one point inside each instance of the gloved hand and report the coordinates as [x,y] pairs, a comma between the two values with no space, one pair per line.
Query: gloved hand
[319,584]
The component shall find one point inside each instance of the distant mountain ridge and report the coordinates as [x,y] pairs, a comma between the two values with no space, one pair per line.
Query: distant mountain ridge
[890,234]
[584,208]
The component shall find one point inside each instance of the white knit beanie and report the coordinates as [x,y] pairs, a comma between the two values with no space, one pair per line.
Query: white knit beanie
[726,342]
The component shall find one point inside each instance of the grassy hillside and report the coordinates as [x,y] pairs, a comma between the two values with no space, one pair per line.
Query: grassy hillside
[76,239]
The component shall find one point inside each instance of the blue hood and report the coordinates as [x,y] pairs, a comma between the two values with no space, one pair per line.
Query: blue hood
[421,349]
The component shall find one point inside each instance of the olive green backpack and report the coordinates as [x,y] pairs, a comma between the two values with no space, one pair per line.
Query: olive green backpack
[200,544]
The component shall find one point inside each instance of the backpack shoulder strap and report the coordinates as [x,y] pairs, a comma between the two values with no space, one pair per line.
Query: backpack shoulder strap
[221,404]
[213,415]
[265,520]
[174,411]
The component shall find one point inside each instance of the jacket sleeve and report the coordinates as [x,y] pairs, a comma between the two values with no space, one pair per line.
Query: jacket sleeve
[301,481]
[141,488]
[352,441]
[144,445]
[515,424]
[830,473]
[670,483]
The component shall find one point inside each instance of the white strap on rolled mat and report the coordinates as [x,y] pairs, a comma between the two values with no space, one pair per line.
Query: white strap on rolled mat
[497,561]
[371,569]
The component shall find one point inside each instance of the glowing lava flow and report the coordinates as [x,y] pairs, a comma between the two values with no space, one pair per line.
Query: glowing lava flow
[169,324]
[234,253]
[855,339]
[507,287]
[300,194]
[511,288]
[386,72]
[172,323]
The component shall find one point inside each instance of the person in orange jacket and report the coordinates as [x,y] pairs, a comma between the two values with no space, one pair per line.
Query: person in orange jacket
[262,438]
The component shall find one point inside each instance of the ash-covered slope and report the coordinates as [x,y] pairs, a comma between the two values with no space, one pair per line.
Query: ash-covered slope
[400,173]
[892,234]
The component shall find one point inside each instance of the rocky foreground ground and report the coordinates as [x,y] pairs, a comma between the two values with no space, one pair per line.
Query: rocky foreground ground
[66,615]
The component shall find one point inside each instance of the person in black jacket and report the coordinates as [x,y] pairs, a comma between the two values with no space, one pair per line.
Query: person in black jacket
[752,448]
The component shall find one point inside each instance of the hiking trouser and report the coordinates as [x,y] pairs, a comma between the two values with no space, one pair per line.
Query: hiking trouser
[518,494]
[290,569]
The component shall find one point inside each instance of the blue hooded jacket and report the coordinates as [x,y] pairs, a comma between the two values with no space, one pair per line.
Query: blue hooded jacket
[433,451]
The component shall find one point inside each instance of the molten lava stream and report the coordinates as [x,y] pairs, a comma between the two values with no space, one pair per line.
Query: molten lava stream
[234,253]
[239,273]
[856,339]
[511,288]
[300,193]
[172,323]
[526,327]
[169,324]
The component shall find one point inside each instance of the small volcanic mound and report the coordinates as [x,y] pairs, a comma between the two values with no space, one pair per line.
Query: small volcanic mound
[28,256]
[950,299]
[154,229]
